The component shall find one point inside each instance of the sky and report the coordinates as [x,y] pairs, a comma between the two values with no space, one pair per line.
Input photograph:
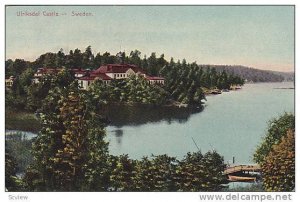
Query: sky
[257,36]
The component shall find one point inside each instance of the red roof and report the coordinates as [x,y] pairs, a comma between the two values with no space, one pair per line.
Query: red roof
[95,76]
[117,68]
[102,76]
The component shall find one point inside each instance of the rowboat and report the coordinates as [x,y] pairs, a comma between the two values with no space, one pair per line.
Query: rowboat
[234,178]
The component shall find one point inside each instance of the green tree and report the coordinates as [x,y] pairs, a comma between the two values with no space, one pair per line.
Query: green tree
[10,172]
[156,174]
[48,60]
[123,171]
[135,58]
[9,68]
[97,61]
[278,167]
[18,66]
[77,58]
[60,59]
[277,128]
[198,172]
[88,58]
[70,152]
[152,64]
[69,60]
[108,59]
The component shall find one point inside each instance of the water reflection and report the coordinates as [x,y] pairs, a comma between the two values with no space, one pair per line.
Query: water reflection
[20,135]
[118,133]
[120,115]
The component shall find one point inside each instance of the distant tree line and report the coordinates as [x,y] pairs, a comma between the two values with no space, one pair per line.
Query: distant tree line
[252,74]
[152,64]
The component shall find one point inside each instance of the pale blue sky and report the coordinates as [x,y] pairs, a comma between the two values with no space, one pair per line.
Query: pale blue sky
[256,36]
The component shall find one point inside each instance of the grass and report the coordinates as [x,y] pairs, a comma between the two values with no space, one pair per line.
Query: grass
[21,120]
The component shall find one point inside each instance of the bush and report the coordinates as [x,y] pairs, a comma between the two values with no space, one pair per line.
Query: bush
[278,168]
[276,130]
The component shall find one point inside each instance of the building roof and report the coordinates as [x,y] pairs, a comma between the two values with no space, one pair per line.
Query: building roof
[95,76]
[87,78]
[117,68]
[101,76]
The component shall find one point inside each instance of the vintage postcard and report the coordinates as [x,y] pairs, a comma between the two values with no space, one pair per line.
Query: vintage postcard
[150,98]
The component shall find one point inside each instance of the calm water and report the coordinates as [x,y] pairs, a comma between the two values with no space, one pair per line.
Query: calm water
[231,123]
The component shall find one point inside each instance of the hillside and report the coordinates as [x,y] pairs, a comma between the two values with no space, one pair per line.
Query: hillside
[252,74]
[288,76]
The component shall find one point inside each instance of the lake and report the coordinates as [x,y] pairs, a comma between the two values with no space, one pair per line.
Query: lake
[232,123]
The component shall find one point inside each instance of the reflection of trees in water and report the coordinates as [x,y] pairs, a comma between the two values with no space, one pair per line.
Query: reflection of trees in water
[119,135]
[121,115]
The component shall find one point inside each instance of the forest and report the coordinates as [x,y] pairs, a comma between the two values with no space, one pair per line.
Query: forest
[152,64]
[184,82]
[70,152]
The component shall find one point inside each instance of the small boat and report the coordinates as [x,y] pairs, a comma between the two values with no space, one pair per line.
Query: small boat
[216,91]
[235,87]
[234,178]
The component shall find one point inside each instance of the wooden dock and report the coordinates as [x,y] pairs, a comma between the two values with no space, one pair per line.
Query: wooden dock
[243,173]
[242,168]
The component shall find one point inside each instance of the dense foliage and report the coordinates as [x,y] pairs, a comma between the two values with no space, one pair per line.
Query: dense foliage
[186,82]
[152,64]
[70,154]
[24,94]
[134,89]
[196,172]
[278,167]
[276,130]
[69,151]
[10,172]
[276,154]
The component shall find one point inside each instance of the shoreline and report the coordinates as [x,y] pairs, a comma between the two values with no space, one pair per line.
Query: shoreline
[27,121]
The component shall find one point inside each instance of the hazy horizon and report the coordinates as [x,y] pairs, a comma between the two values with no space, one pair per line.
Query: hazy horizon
[260,37]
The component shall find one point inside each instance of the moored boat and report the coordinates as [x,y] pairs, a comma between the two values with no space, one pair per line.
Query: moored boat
[234,178]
